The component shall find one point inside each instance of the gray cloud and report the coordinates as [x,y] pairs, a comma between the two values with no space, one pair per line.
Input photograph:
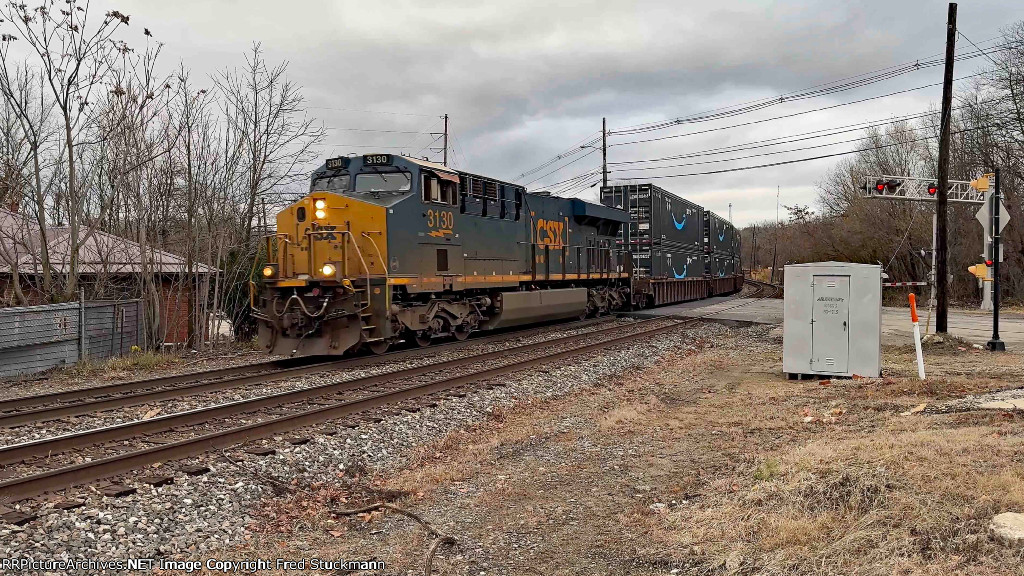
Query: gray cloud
[524,80]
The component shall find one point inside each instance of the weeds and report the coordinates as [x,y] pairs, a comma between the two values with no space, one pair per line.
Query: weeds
[767,470]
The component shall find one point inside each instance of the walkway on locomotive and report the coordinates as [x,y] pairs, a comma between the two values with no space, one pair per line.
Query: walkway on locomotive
[429,228]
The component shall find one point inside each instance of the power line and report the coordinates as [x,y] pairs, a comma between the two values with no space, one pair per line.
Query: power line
[993,60]
[576,149]
[784,97]
[791,115]
[720,160]
[814,91]
[555,185]
[560,168]
[799,160]
[822,133]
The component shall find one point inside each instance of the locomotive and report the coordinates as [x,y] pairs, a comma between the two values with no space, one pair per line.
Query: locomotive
[388,248]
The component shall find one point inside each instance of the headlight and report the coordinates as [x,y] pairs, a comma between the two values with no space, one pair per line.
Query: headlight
[269,271]
[320,214]
[328,269]
[320,204]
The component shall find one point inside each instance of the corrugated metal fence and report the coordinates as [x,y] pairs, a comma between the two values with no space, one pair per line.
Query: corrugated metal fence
[36,338]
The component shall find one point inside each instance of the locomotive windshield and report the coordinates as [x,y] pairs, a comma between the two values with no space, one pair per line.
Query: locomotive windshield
[331,184]
[377,183]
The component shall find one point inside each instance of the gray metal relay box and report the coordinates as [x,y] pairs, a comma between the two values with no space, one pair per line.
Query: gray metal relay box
[832,323]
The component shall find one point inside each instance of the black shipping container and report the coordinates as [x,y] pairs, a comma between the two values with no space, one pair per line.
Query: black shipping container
[661,263]
[658,217]
[720,266]
[722,237]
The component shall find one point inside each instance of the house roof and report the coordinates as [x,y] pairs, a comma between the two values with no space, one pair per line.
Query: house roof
[101,253]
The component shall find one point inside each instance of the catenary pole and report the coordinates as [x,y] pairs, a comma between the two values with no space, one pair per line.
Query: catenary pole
[941,216]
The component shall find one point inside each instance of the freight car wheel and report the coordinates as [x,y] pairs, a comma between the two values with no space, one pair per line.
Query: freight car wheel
[379,347]
[462,332]
[422,339]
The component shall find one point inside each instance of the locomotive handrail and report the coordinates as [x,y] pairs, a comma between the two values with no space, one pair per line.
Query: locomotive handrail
[387,278]
[277,236]
[347,234]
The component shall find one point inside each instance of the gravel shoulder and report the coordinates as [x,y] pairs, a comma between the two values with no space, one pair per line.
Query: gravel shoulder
[686,454]
[702,460]
[225,508]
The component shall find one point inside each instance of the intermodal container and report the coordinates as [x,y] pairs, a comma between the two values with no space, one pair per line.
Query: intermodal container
[721,235]
[658,218]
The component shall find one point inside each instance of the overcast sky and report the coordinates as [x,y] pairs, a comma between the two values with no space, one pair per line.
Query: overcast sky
[523,81]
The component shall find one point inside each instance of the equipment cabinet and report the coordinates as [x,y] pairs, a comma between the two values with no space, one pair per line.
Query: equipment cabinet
[832,325]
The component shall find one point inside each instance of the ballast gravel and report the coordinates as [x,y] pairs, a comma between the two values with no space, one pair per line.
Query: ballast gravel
[197,514]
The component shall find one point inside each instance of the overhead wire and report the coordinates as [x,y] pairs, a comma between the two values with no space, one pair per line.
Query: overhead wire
[814,91]
[577,148]
[791,115]
[559,169]
[818,90]
[813,134]
[800,160]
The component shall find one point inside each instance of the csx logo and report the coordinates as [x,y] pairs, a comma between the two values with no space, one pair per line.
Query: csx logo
[549,233]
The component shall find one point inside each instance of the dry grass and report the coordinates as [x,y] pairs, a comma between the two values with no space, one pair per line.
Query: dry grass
[710,464]
[136,361]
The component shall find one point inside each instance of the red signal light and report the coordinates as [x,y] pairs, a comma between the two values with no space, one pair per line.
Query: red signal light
[933,189]
[988,262]
[880,186]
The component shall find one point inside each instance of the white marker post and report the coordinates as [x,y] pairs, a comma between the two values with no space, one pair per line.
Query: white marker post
[917,336]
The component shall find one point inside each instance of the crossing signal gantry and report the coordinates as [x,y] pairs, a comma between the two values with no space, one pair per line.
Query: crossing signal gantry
[924,190]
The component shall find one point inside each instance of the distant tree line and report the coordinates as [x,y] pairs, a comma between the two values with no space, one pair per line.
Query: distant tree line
[96,133]
[987,132]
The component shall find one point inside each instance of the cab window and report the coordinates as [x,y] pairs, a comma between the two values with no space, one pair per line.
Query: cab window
[431,189]
[450,193]
[439,192]
[383,182]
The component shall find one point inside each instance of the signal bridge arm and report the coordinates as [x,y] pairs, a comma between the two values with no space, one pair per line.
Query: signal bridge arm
[920,190]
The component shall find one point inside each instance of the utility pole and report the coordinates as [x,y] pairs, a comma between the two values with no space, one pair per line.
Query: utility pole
[941,217]
[753,247]
[445,140]
[730,212]
[604,151]
[775,253]
[995,344]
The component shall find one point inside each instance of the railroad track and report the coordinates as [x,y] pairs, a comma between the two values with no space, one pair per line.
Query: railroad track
[185,434]
[44,407]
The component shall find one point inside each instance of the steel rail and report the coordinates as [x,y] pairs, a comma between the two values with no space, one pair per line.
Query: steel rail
[76,393]
[209,382]
[57,444]
[25,487]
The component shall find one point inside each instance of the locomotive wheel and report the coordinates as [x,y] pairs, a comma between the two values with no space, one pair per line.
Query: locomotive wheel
[379,347]
[462,332]
[423,340]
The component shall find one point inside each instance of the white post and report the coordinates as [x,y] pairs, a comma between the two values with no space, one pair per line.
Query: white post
[917,336]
